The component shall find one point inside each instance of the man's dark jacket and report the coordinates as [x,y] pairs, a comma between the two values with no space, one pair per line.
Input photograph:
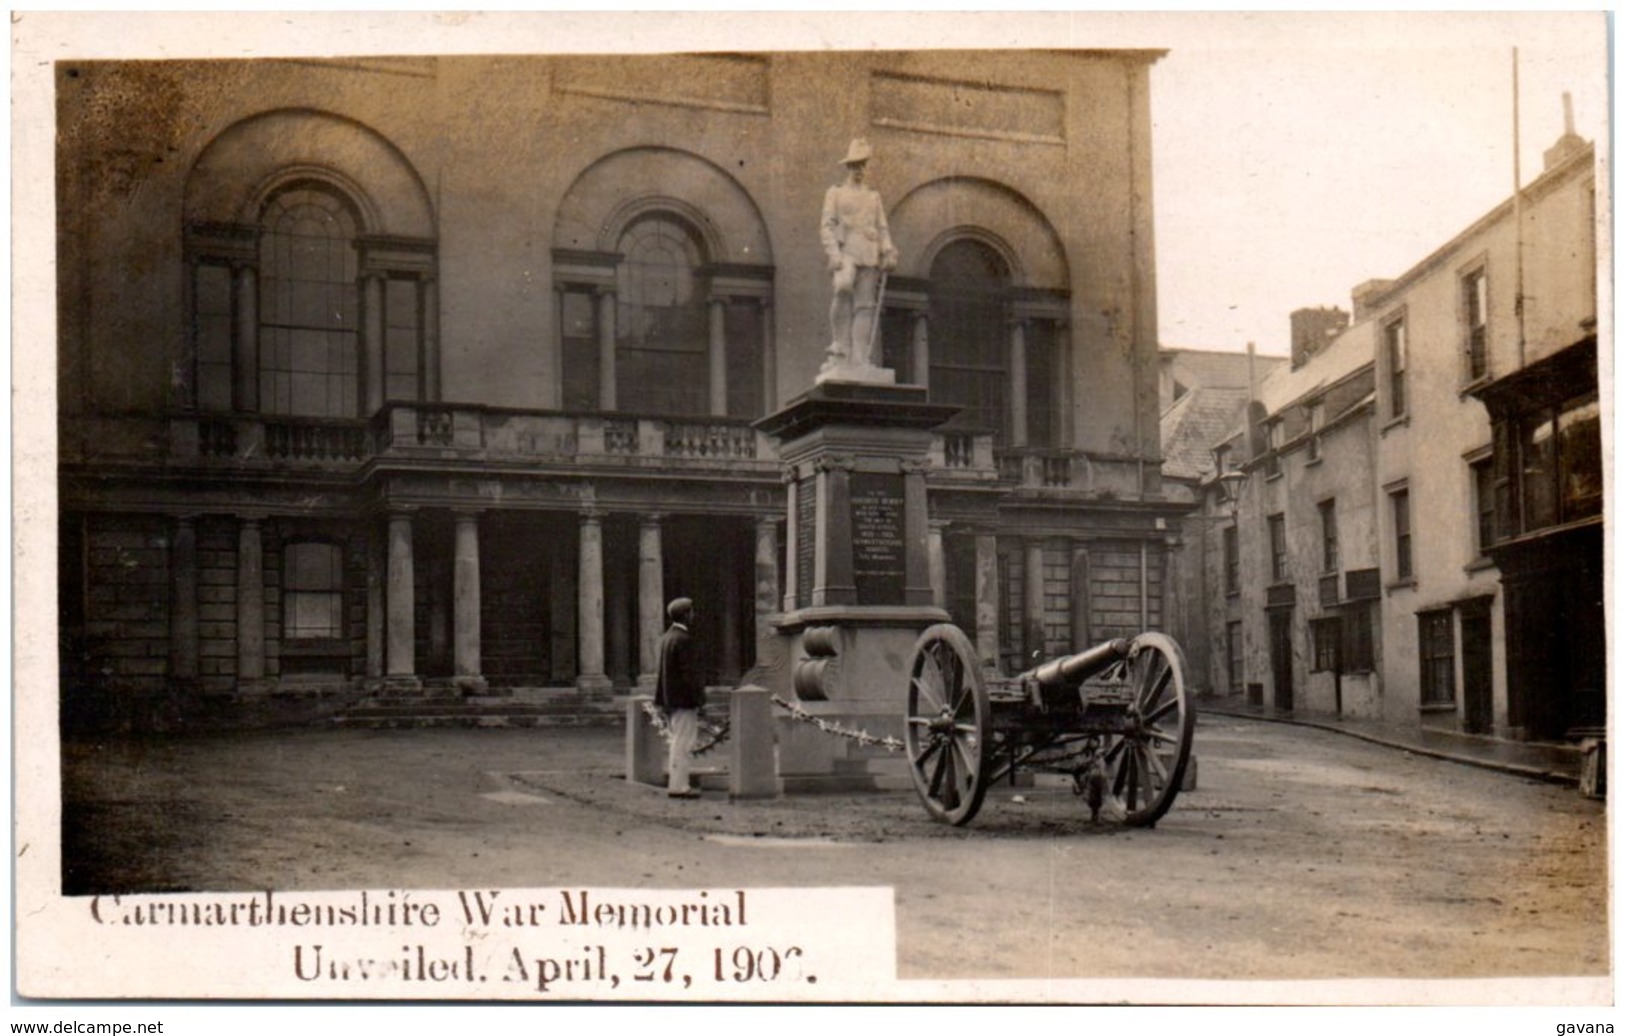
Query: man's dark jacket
[679,685]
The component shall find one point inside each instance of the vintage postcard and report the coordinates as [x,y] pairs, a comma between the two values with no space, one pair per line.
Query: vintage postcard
[1057,508]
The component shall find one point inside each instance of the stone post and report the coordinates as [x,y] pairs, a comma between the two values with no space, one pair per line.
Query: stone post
[651,599]
[987,599]
[466,603]
[590,675]
[767,575]
[1033,604]
[753,770]
[645,749]
[938,563]
[400,666]
[250,602]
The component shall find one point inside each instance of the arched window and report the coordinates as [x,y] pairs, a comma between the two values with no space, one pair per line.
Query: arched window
[970,288]
[308,328]
[661,326]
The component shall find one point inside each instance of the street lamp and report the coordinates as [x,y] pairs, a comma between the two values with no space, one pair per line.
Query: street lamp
[1230,483]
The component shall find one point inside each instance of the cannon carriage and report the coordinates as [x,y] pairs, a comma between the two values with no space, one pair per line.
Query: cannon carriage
[1117,718]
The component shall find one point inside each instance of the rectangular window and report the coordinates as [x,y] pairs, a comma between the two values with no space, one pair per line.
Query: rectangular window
[743,347]
[1232,560]
[1400,501]
[1277,527]
[1272,443]
[1328,536]
[1233,648]
[1394,358]
[1359,645]
[1475,322]
[1317,419]
[1436,651]
[1483,477]
[1328,638]
[403,340]
[211,335]
[312,591]
[578,331]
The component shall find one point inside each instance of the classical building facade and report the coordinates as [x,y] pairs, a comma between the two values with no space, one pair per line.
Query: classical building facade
[1417,515]
[444,372]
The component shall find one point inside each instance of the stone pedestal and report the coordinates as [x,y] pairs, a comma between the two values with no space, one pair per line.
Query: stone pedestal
[857,587]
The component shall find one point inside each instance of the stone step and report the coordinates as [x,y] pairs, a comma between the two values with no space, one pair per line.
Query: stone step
[432,709]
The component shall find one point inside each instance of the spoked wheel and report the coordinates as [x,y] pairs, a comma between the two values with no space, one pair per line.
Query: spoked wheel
[946,728]
[1145,766]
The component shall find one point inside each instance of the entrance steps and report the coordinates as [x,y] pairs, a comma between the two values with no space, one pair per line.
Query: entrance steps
[445,706]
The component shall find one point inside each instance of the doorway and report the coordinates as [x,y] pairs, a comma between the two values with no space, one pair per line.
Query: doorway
[1281,657]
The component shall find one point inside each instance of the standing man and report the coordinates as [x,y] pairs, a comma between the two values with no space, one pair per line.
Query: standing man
[858,247]
[679,693]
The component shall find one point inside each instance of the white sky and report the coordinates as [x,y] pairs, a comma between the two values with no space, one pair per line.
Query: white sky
[1297,156]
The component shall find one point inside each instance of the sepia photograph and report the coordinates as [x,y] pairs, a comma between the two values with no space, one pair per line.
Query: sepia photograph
[940,508]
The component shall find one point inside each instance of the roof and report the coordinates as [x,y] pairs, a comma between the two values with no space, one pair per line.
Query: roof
[1197,368]
[1197,422]
[1341,357]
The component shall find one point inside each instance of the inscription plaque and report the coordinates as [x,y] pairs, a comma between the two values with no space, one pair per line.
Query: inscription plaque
[878,548]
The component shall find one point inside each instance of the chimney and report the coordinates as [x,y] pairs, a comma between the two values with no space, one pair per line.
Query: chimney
[1570,142]
[1366,296]
[1312,329]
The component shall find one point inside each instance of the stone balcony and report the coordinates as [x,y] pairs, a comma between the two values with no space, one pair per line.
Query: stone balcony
[455,435]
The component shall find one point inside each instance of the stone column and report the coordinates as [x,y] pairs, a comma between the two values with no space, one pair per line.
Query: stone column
[833,582]
[400,667]
[767,575]
[606,349]
[372,342]
[916,533]
[250,602]
[651,599]
[987,599]
[718,356]
[465,594]
[938,563]
[1082,629]
[183,603]
[590,675]
[245,346]
[1018,383]
[377,563]
[792,540]
[1032,611]
[921,343]
[429,287]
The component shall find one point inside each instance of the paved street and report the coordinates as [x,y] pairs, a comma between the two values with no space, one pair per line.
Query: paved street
[1301,854]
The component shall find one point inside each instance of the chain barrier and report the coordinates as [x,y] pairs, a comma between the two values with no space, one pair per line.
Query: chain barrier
[862,737]
[712,733]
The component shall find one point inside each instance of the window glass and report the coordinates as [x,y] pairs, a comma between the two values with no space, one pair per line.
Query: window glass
[1475,302]
[579,323]
[662,326]
[1277,527]
[1395,347]
[211,329]
[1537,442]
[1579,451]
[312,591]
[308,332]
[1437,651]
[969,336]
[402,340]
[1401,501]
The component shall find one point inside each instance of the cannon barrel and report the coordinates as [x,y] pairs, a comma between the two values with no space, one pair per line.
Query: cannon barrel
[1071,670]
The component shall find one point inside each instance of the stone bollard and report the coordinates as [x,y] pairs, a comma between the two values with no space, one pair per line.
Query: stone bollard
[645,748]
[753,764]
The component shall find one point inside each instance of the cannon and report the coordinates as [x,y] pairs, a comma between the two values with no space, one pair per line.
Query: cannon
[1117,718]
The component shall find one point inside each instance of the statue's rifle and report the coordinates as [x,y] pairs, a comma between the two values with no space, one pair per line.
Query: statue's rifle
[874,325]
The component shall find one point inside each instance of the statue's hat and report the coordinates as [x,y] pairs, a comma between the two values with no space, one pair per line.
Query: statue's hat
[857,152]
